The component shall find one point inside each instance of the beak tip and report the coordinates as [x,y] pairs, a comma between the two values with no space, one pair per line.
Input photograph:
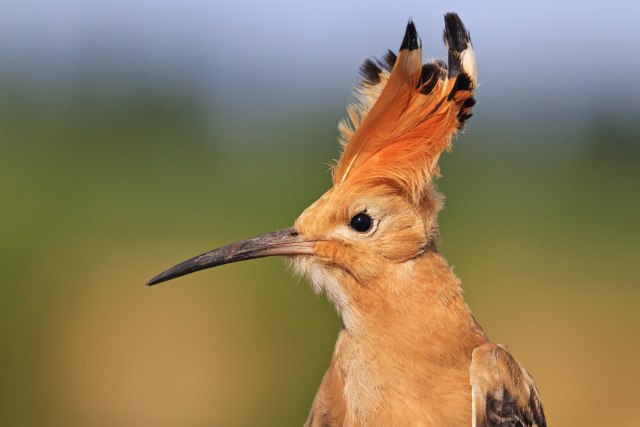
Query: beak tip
[154,281]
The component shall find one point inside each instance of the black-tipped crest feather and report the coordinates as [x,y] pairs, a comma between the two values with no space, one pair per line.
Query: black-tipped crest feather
[389,58]
[372,67]
[429,77]
[456,35]
[411,40]
[457,39]
[463,82]
[370,72]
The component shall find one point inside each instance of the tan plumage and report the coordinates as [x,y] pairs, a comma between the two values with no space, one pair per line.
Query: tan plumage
[410,351]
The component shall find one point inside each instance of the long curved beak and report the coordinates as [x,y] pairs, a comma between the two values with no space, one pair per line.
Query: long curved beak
[281,242]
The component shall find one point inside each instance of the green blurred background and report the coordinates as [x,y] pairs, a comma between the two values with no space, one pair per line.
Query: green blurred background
[135,135]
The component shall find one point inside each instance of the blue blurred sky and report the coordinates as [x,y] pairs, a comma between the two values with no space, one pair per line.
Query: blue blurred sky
[562,56]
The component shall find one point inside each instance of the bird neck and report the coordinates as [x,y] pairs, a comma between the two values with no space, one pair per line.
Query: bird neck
[420,299]
[409,335]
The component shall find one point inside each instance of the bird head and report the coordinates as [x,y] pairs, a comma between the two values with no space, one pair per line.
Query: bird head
[380,213]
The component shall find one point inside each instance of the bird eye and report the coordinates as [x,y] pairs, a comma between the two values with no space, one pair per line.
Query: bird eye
[361,222]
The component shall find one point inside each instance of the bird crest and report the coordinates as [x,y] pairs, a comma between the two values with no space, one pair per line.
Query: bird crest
[405,113]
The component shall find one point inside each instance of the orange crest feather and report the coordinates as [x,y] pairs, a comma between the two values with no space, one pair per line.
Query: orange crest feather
[406,113]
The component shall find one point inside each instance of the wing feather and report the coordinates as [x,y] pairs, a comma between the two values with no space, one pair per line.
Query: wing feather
[503,392]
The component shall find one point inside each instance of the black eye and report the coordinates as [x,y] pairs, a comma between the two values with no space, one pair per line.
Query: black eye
[361,223]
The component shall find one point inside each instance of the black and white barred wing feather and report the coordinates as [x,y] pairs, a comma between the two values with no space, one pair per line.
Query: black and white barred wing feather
[503,392]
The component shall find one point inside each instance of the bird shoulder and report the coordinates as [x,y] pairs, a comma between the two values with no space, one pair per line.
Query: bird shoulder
[503,392]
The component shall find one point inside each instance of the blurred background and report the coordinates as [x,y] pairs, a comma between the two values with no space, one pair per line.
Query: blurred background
[135,134]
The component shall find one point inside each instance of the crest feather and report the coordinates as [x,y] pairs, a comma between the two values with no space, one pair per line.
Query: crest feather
[405,113]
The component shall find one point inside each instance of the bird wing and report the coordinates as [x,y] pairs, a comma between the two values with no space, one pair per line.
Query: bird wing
[503,392]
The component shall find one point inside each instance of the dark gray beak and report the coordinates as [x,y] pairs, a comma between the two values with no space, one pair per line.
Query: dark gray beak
[281,242]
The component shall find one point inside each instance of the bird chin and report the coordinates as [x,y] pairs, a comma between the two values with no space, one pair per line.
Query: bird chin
[324,281]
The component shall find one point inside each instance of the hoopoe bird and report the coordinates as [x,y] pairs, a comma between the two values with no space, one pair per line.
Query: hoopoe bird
[409,351]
